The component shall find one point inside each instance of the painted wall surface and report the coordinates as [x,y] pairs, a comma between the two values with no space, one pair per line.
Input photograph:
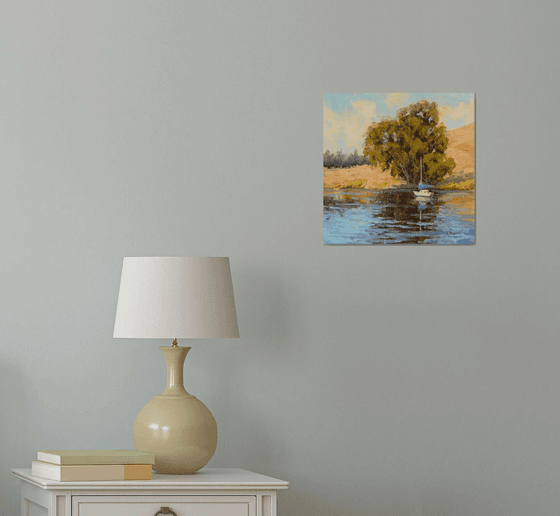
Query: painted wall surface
[135,128]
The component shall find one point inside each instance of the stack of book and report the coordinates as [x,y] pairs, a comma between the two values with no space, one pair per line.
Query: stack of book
[86,465]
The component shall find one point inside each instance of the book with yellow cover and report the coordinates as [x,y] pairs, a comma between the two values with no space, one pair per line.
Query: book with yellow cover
[75,473]
[74,457]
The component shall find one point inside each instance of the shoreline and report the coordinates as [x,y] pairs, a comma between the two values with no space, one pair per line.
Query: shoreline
[366,177]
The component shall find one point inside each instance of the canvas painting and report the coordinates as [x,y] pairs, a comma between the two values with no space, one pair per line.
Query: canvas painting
[398,168]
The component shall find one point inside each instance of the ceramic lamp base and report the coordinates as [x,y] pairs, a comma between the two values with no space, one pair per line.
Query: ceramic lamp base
[175,426]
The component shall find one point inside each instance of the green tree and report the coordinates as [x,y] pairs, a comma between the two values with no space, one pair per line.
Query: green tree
[414,137]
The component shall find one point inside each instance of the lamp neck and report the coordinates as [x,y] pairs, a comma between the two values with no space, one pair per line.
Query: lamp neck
[175,359]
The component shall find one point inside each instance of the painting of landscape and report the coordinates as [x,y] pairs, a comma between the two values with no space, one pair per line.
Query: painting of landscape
[398,168]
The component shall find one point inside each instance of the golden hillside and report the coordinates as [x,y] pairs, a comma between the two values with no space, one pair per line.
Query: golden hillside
[461,149]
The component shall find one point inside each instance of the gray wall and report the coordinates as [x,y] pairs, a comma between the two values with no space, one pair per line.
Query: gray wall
[135,128]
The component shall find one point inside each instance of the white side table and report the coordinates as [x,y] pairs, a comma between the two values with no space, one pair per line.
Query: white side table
[209,492]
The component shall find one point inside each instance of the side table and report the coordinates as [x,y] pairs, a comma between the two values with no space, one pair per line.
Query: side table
[208,492]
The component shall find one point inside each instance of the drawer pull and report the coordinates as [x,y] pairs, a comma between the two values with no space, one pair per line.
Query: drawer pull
[165,510]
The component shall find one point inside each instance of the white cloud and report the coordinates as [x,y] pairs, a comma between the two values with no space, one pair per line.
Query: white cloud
[345,130]
[397,100]
[459,115]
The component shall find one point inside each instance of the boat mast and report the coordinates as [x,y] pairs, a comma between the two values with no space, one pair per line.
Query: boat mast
[420,169]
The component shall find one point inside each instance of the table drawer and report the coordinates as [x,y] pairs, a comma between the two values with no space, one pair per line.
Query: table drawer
[194,505]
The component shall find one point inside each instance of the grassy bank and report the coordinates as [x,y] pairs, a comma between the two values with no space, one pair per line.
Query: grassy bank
[358,177]
[373,178]
[463,185]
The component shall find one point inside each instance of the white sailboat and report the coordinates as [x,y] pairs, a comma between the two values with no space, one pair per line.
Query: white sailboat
[422,189]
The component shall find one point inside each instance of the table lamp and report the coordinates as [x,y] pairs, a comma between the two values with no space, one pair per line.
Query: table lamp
[176,298]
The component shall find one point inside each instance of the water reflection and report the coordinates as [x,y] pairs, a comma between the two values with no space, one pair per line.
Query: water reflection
[397,216]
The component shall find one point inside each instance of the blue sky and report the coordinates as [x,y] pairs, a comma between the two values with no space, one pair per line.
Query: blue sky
[346,116]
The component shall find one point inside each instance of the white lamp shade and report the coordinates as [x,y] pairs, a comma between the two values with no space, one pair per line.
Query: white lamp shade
[176,297]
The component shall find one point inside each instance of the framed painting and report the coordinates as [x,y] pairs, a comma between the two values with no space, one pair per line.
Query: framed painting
[398,168]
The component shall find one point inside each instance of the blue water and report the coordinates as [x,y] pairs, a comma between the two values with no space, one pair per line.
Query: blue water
[397,216]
